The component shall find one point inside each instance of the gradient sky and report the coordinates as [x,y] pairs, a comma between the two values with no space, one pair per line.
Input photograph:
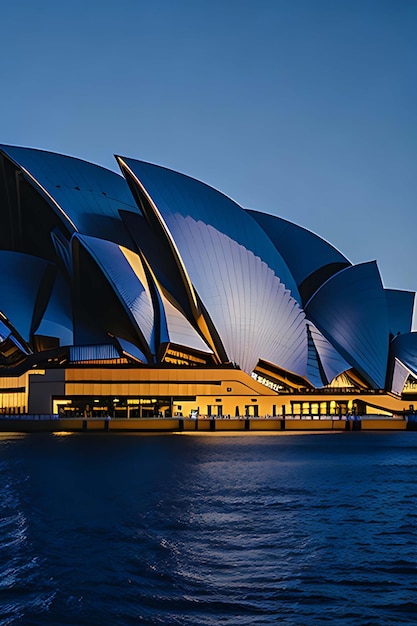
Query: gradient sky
[302,108]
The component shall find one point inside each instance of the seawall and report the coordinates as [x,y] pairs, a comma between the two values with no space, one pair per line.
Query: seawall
[53,424]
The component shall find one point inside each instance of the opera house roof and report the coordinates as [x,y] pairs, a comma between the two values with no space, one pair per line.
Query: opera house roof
[153,267]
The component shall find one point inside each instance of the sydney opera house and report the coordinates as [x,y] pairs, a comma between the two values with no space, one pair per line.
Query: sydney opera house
[149,293]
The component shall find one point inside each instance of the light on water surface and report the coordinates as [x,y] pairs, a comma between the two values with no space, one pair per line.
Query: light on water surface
[121,529]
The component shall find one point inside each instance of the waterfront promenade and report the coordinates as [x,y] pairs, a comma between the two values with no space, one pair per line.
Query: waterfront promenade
[54,423]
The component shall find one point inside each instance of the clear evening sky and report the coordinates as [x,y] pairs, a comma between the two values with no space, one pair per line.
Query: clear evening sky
[302,108]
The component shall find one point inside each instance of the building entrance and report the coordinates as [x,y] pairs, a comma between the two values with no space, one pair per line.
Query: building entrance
[114,407]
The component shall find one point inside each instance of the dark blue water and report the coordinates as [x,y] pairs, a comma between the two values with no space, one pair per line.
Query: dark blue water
[133,529]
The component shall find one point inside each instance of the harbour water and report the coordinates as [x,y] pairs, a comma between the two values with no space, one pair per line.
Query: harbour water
[123,529]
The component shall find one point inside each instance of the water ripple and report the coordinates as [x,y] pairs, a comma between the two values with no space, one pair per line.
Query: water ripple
[205,531]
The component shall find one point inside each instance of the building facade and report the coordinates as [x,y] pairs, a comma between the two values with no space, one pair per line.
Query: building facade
[149,293]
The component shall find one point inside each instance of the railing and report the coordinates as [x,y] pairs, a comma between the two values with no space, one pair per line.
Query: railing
[287,416]
[30,416]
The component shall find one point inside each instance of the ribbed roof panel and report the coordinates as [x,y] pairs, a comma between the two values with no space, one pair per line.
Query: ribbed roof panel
[82,190]
[253,312]
[404,348]
[179,196]
[236,271]
[399,377]
[400,310]
[314,372]
[331,361]
[350,310]
[20,281]
[4,331]
[57,319]
[127,277]
[180,330]
[303,251]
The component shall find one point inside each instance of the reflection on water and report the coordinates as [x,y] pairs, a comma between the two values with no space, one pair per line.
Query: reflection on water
[122,529]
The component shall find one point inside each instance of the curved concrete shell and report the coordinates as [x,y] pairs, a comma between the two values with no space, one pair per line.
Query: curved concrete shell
[400,310]
[331,363]
[158,268]
[86,197]
[404,348]
[232,266]
[25,284]
[179,330]
[311,259]
[57,320]
[399,377]
[132,314]
[350,310]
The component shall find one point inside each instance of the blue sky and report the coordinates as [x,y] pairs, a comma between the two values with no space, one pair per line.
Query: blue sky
[302,108]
